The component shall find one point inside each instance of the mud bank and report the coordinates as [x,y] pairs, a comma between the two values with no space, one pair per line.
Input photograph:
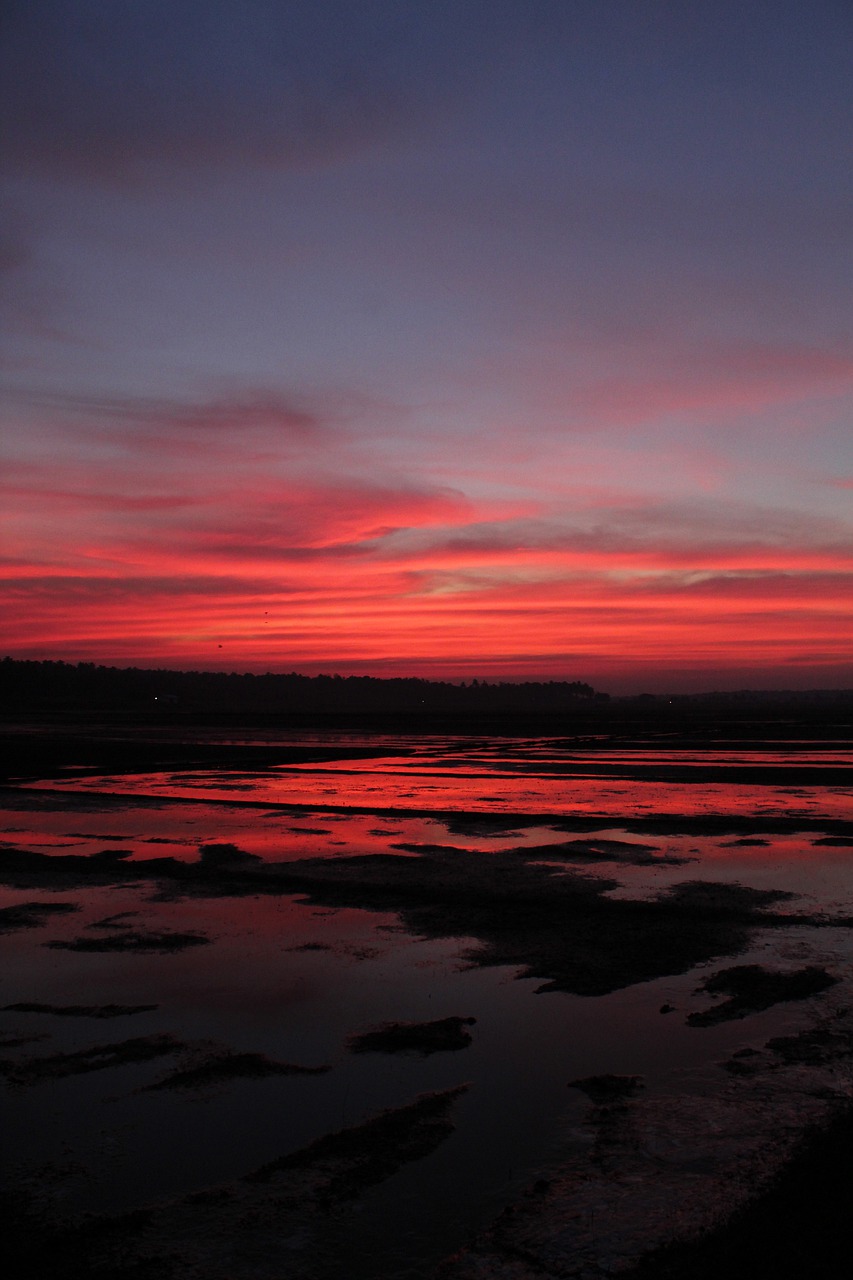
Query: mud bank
[693,1185]
[289,1213]
[556,925]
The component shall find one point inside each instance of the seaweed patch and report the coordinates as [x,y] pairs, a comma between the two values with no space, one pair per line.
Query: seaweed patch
[344,1163]
[29,915]
[424,1038]
[163,942]
[631,852]
[605,1089]
[751,988]
[80,1010]
[117,921]
[56,1066]
[225,855]
[226,1065]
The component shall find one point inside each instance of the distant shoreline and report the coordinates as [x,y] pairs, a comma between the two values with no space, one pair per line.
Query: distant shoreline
[67,695]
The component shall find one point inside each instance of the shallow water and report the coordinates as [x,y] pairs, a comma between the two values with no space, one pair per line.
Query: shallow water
[565,782]
[293,979]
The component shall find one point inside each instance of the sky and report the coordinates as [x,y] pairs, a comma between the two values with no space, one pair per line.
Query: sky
[506,339]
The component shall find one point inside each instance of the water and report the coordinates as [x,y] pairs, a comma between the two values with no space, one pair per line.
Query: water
[294,979]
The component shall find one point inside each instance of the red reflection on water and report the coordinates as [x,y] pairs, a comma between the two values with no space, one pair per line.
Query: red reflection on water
[388,785]
[178,831]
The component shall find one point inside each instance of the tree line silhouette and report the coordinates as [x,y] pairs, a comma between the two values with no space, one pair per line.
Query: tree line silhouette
[54,685]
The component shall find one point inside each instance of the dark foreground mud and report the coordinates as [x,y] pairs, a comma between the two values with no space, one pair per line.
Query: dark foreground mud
[288,1217]
[799,1227]
[749,1183]
[652,1168]
[641,1167]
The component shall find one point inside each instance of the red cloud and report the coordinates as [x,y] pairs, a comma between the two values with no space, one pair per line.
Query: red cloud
[152,563]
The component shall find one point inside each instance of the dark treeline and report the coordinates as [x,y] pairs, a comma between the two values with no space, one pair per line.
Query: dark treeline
[84,685]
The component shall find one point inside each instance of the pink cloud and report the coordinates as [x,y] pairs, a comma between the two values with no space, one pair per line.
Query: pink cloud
[560,381]
[727,380]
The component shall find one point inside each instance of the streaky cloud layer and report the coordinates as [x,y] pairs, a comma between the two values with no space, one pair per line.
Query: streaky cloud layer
[461,339]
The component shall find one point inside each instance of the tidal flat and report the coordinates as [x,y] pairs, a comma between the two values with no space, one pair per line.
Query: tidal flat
[429,1003]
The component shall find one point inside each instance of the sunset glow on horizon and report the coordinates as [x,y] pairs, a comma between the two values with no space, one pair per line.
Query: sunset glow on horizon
[458,340]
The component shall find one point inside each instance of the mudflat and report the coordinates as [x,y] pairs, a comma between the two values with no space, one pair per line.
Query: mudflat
[435,1003]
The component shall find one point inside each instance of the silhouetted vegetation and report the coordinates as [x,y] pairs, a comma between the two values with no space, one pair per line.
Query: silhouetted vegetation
[78,693]
[70,686]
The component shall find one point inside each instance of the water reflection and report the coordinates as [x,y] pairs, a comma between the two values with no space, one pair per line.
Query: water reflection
[292,979]
[538,776]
